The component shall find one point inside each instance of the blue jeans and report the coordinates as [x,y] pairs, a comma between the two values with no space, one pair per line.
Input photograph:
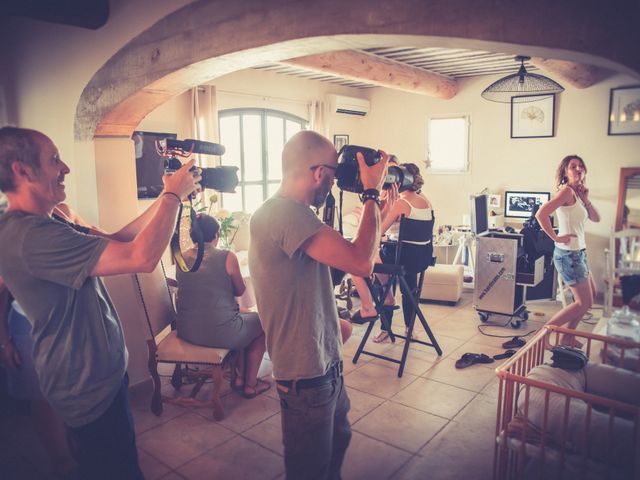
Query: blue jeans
[106,448]
[315,430]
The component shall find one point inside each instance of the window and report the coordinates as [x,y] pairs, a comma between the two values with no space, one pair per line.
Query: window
[448,144]
[254,139]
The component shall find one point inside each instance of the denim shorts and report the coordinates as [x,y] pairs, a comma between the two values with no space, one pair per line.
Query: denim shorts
[572,265]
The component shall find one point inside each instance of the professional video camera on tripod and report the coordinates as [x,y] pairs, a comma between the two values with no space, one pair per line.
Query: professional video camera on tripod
[223,179]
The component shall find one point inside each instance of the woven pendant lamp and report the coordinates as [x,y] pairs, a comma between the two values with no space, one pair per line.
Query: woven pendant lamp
[521,83]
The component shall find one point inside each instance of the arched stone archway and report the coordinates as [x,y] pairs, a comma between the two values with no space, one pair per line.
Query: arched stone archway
[204,40]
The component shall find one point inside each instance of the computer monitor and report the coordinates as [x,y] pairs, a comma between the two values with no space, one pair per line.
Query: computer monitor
[479,214]
[521,204]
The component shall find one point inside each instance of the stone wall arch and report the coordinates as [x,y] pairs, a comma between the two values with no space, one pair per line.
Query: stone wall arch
[204,40]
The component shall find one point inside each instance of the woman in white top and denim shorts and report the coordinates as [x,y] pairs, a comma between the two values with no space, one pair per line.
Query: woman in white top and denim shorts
[573,208]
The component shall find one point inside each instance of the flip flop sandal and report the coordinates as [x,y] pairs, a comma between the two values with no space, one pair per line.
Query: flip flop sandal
[507,354]
[515,342]
[469,359]
[359,319]
[261,386]
[390,308]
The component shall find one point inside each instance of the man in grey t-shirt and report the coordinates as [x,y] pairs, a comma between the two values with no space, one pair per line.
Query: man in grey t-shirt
[291,252]
[53,272]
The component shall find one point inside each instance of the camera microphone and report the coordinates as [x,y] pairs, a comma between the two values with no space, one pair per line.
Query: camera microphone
[195,146]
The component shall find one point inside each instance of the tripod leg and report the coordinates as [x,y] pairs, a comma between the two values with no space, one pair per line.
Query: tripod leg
[365,337]
[417,311]
[378,300]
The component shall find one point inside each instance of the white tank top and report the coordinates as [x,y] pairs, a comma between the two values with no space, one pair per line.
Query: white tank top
[415,213]
[571,220]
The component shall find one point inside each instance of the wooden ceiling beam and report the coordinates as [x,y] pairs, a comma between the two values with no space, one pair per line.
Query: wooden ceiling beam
[579,75]
[367,68]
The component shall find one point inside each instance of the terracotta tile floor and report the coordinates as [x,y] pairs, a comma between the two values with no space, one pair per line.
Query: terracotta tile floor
[435,422]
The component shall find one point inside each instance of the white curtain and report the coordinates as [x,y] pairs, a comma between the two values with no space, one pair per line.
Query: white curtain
[204,126]
[317,117]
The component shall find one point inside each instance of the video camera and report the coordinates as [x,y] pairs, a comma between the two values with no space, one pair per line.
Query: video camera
[348,173]
[223,179]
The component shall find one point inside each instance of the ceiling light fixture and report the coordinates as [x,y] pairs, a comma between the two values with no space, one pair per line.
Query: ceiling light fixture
[519,84]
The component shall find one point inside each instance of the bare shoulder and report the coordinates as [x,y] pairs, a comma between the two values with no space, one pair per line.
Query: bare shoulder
[428,202]
[565,195]
[232,259]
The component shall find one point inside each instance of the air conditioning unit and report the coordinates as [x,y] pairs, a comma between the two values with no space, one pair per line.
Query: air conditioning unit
[349,105]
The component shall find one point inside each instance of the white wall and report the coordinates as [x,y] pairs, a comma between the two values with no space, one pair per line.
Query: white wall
[397,124]
[48,66]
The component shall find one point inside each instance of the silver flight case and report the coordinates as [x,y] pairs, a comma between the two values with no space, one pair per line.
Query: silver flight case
[499,287]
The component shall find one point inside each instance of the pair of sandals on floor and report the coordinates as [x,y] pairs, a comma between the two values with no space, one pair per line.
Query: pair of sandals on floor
[469,359]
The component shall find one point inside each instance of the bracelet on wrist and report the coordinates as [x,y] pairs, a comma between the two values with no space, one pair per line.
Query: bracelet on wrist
[173,195]
[370,194]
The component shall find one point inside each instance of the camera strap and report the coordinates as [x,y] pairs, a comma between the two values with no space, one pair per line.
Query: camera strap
[175,241]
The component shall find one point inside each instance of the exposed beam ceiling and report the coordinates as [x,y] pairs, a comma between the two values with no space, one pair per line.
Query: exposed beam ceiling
[364,67]
[577,74]
[452,64]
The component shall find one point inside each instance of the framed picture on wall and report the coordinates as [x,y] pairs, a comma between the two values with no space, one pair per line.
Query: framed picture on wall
[624,111]
[340,141]
[533,116]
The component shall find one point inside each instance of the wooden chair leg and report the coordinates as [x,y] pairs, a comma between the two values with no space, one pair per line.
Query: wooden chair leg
[218,410]
[156,398]
[176,378]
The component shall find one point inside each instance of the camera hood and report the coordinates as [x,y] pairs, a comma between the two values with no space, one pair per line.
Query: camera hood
[348,172]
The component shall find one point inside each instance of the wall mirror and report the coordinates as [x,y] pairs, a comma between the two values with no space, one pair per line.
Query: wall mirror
[629,200]
[629,196]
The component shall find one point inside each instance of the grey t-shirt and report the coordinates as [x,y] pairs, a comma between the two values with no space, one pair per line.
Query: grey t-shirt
[79,351]
[293,291]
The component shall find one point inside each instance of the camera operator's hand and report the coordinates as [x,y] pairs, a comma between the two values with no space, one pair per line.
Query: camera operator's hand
[389,197]
[184,181]
[373,176]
